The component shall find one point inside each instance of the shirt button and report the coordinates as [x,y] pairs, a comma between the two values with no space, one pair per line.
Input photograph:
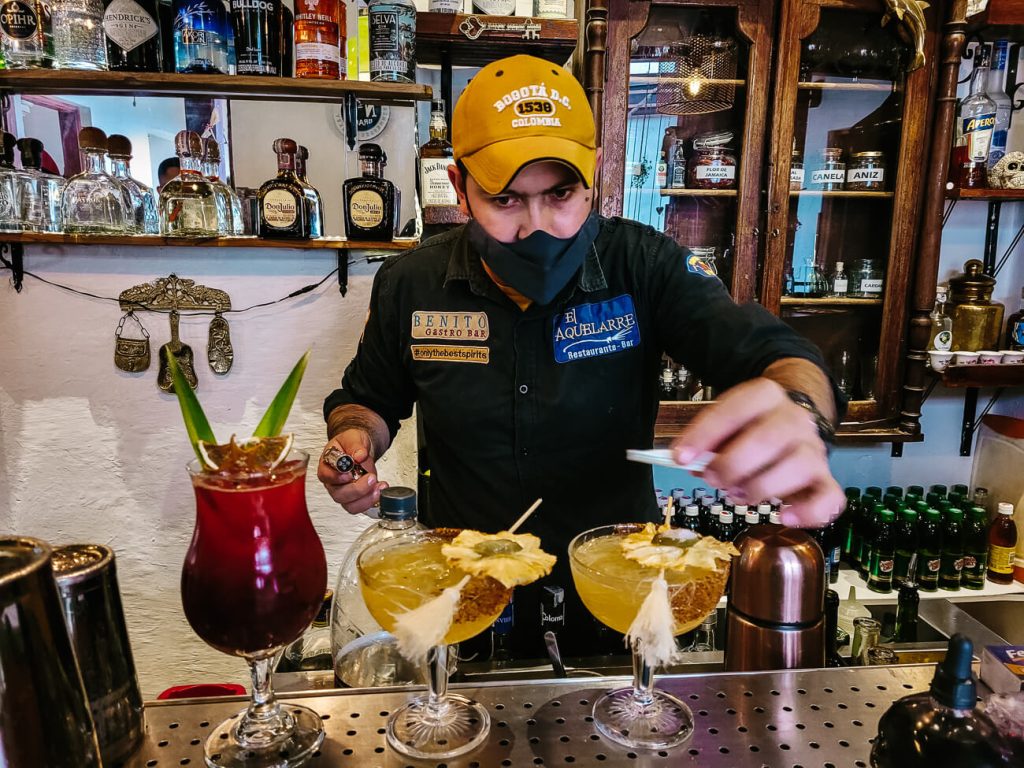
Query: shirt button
[523,389]
[524,451]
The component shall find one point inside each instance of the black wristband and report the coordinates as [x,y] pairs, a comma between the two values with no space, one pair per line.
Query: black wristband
[826,430]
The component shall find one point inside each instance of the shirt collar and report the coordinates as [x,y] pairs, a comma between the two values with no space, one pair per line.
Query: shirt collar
[464,264]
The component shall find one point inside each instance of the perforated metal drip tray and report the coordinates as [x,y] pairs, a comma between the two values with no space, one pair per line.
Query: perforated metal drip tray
[821,718]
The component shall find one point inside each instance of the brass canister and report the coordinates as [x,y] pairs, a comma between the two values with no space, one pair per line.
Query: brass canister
[977,320]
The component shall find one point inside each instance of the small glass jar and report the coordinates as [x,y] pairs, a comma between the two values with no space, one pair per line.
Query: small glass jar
[866,279]
[796,171]
[831,175]
[713,168]
[866,172]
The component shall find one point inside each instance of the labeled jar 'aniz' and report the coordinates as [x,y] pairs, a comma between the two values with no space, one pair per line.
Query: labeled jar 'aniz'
[866,172]
[830,176]
[713,168]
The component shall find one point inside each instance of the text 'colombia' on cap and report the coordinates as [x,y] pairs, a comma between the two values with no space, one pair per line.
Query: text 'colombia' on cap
[518,111]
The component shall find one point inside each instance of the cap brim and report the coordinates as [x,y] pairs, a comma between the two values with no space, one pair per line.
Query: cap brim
[494,166]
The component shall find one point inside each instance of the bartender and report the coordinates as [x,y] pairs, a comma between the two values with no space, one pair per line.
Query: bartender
[531,339]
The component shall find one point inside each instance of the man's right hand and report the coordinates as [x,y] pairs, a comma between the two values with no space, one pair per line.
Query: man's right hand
[356,495]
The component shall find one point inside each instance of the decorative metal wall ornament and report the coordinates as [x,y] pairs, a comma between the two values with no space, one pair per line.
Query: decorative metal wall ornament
[912,26]
[131,355]
[219,351]
[472,27]
[182,354]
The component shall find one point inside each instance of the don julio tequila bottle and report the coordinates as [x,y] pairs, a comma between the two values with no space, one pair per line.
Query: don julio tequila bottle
[371,201]
[282,201]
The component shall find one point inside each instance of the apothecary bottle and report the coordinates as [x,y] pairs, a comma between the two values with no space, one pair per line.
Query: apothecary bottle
[282,202]
[93,201]
[133,34]
[26,34]
[38,192]
[977,320]
[78,38]
[229,207]
[866,172]
[830,175]
[866,279]
[393,41]
[10,203]
[188,202]
[371,204]
[142,214]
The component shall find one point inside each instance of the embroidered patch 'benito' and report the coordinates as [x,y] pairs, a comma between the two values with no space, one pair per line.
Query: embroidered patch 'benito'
[464,326]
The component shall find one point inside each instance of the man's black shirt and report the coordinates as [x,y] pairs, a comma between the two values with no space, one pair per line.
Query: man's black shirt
[543,403]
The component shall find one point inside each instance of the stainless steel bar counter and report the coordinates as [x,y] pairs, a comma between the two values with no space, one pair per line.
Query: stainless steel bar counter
[822,718]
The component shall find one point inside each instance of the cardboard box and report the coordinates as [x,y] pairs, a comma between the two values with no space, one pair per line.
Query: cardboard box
[1002,668]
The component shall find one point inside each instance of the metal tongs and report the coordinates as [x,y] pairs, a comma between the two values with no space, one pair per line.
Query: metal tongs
[664,457]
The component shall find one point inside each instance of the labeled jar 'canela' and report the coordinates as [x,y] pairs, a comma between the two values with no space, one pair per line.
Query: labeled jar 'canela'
[977,320]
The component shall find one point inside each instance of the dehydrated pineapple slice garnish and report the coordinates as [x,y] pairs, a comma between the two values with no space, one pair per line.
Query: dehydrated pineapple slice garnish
[659,546]
[514,559]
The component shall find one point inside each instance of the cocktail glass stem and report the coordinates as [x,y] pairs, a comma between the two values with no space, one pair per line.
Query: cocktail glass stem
[264,719]
[643,679]
[437,680]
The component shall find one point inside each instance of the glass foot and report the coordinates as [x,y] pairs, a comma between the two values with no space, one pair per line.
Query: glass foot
[454,726]
[660,723]
[283,742]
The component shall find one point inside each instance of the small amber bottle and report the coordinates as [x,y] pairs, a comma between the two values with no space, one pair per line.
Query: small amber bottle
[1002,544]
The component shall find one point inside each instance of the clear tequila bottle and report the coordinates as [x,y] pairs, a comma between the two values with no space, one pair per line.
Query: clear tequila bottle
[10,207]
[39,193]
[145,220]
[229,207]
[188,203]
[78,38]
[314,204]
[93,201]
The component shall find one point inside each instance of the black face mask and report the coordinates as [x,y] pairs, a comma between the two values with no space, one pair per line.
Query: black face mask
[538,266]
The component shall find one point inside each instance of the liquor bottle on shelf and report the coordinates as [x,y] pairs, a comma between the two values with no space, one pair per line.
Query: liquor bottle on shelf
[661,171]
[975,549]
[282,202]
[287,65]
[188,203]
[1002,543]
[257,26]
[550,9]
[1015,327]
[38,192]
[229,207]
[832,657]
[906,545]
[144,219]
[839,284]
[494,7]
[677,165]
[951,563]
[907,605]
[941,335]
[392,41]
[438,200]
[10,204]
[445,6]
[26,34]
[974,129]
[132,29]
[319,39]
[666,382]
[93,201]
[78,38]
[995,89]
[929,549]
[883,554]
[370,199]
[314,203]
[201,31]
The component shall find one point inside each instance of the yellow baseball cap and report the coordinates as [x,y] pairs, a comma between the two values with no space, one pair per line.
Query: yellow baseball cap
[520,110]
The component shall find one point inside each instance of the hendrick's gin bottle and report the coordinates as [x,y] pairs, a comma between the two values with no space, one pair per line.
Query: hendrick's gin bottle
[132,29]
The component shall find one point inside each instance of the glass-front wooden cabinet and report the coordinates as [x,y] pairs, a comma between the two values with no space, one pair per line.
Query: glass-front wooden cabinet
[783,144]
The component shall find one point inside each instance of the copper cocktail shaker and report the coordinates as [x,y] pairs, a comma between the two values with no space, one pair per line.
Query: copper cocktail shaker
[44,715]
[776,614]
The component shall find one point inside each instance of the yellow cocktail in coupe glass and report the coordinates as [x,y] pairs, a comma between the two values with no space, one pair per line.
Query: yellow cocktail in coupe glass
[400,575]
[613,588]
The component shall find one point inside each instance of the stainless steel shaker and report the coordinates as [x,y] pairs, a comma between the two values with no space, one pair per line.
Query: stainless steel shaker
[87,582]
[44,714]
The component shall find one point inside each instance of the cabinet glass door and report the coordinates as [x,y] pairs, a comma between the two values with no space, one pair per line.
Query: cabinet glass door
[834,268]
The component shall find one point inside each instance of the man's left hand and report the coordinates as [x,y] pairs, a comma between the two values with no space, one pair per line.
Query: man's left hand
[766,445]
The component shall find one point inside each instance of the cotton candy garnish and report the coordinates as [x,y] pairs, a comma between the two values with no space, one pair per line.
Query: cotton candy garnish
[651,632]
[420,629]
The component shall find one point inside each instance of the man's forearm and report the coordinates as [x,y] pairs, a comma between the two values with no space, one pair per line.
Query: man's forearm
[359,417]
[804,376]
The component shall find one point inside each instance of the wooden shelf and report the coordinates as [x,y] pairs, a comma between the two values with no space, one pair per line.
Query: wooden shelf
[838,193]
[245,87]
[829,301]
[984,376]
[447,34]
[157,241]
[989,195]
[697,192]
[830,86]
[1000,13]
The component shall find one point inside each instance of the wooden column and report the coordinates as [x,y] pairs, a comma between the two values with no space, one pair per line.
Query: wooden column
[595,36]
[923,296]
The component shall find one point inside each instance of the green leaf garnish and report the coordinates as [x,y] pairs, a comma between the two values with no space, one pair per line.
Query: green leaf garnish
[277,414]
[196,425]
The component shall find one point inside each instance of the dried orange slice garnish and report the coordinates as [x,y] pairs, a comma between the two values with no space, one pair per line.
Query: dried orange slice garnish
[514,559]
[253,454]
